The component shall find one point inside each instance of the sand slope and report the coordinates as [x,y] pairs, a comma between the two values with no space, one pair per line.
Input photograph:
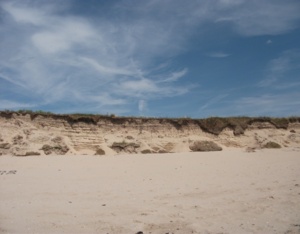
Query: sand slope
[216,192]
[23,135]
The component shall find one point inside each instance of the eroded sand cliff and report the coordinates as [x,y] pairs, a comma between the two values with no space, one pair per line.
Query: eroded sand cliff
[24,134]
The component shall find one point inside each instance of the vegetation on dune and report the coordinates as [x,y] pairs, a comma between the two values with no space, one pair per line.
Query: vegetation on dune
[100,151]
[205,146]
[146,151]
[57,149]
[272,145]
[213,125]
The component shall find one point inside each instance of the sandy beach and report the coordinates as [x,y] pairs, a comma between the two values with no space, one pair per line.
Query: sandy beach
[215,192]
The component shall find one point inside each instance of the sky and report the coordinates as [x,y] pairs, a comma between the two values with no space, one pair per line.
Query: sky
[157,58]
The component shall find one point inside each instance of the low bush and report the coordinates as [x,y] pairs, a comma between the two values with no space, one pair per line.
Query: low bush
[146,151]
[272,145]
[100,152]
[205,146]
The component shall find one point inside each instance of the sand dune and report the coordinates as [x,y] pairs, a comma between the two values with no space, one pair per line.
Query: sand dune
[34,134]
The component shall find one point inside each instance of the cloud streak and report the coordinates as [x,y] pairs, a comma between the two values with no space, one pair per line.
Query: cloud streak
[253,18]
[278,69]
[218,55]
[270,104]
[267,104]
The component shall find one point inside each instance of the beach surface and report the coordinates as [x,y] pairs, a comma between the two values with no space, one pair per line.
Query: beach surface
[230,191]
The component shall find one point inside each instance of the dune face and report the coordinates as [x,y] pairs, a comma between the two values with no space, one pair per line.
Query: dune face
[24,134]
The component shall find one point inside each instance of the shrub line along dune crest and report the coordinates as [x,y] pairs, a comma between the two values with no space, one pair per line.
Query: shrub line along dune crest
[42,133]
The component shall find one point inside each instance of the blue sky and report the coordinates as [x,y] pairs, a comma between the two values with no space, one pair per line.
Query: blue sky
[164,58]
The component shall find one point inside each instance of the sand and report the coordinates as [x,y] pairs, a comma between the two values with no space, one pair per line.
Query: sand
[216,192]
[23,135]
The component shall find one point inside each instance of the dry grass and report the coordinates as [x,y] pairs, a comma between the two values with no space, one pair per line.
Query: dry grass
[32,153]
[5,145]
[57,149]
[146,151]
[205,146]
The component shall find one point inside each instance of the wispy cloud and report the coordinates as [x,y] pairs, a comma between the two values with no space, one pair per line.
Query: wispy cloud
[252,18]
[212,101]
[277,71]
[218,55]
[78,60]
[270,104]
[142,105]
[7,104]
[24,14]
[269,42]
[174,76]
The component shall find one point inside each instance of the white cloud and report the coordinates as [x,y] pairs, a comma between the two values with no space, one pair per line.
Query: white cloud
[23,14]
[231,3]
[269,42]
[174,76]
[108,70]
[148,89]
[141,86]
[103,99]
[50,42]
[7,104]
[253,18]
[218,55]
[66,33]
[142,105]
